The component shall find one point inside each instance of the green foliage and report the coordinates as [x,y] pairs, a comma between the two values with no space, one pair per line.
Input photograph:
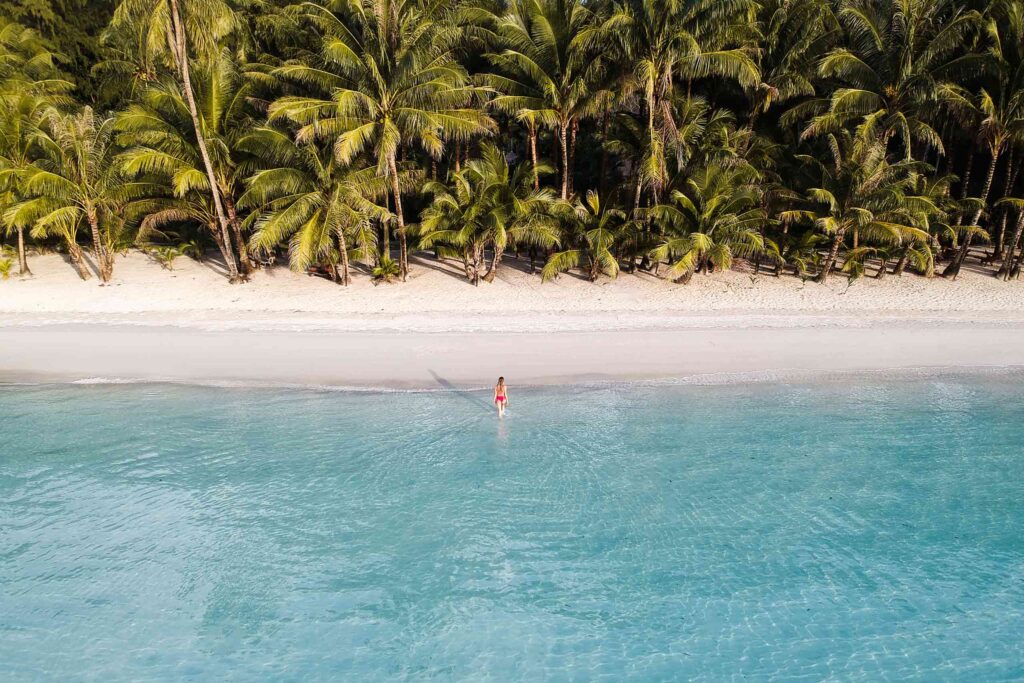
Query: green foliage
[801,136]
[487,205]
[166,255]
[713,218]
[6,264]
[69,28]
[385,271]
[592,234]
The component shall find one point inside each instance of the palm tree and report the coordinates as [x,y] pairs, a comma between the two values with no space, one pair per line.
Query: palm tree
[548,70]
[490,204]
[667,41]
[177,32]
[591,234]
[30,85]
[862,191]
[156,129]
[795,34]
[305,196]
[21,141]
[81,184]
[1009,268]
[450,223]
[391,80]
[1002,124]
[712,218]
[896,67]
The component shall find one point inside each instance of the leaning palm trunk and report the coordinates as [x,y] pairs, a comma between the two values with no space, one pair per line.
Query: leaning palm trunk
[218,237]
[75,252]
[901,264]
[1011,177]
[1006,268]
[883,269]
[493,270]
[1014,272]
[22,258]
[953,269]
[236,228]
[181,54]
[396,189]
[833,254]
[103,258]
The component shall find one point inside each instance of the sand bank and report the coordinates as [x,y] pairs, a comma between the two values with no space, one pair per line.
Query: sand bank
[436,297]
[438,331]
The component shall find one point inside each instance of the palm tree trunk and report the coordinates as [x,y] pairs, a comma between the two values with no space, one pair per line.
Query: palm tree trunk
[218,238]
[883,269]
[236,228]
[833,254]
[186,78]
[466,264]
[478,255]
[602,181]
[902,263]
[533,155]
[1011,178]
[103,259]
[1015,268]
[22,258]
[573,130]
[953,269]
[1004,270]
[495,260]
[964,188]
[396,190]
[343,253]
[75,252]
[636,193]
[563,131]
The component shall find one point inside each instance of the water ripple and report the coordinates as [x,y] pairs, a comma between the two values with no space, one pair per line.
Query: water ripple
[849,531]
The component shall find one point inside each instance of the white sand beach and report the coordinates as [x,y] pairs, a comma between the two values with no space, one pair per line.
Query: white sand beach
[436,330]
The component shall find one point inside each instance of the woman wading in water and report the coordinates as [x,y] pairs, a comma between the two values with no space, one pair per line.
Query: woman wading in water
[501,396]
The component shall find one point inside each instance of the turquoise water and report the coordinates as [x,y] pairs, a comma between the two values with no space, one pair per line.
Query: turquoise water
[861,530]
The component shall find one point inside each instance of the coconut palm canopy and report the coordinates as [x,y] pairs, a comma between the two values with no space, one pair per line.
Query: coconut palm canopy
[803,138]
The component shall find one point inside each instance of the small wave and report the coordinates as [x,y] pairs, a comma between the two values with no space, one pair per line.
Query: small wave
[246,384]
[776,376]
[105,380]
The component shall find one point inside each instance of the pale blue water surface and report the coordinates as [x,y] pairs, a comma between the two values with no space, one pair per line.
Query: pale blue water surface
[849,530]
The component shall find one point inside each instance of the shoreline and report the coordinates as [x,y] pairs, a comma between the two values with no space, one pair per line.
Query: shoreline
[459,361]
[1014,373]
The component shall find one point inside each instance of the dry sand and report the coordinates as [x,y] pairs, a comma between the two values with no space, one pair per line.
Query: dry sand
[438,331]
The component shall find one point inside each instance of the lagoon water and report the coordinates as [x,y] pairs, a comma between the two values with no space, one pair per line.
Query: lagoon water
[855,530]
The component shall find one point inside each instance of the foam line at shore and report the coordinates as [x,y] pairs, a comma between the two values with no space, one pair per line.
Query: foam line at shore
[796,377]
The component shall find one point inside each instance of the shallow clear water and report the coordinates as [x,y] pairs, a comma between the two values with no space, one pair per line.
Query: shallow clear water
[861,530]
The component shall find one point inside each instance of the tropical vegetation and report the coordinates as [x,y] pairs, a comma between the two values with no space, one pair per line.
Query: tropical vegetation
[808,138]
